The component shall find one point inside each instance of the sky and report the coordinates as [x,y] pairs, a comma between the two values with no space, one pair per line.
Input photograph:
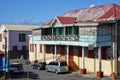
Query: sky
[41,11]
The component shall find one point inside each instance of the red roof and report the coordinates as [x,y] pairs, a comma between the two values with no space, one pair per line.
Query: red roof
[93,14]
[66,20]
[48,23]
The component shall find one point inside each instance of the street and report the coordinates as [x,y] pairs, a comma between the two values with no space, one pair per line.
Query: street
[34,74]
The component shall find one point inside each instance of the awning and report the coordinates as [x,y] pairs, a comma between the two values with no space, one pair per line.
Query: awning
[1,52]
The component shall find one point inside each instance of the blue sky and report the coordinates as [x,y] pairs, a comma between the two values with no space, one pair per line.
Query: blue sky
[40,11]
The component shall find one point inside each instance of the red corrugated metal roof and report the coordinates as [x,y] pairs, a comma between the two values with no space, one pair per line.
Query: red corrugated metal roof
[48,23]
[66,20]
[93,14]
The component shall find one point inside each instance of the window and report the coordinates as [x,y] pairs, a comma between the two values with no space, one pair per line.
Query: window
[24,48]
[63,64]
[68,30]
[56,63]
[76,30]
[14,48]
[0,37]
[60,31]
[22,37]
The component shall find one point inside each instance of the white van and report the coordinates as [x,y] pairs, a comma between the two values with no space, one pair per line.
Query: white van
[57,67]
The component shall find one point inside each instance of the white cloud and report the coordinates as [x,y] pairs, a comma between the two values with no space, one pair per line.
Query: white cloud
[92,5]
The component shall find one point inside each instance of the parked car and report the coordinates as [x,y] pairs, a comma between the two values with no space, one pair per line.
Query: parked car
[16,67]
[57,67]
[38,65]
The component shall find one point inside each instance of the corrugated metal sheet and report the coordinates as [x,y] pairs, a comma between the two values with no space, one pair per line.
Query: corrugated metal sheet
[93,14]
[105,12]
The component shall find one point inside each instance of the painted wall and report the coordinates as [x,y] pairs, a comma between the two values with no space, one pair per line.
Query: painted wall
[92,65]
[14,39]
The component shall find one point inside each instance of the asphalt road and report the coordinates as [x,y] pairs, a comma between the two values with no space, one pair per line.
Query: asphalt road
[33,74]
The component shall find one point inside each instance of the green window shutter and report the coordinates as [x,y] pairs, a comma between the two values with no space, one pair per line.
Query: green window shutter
[72,30]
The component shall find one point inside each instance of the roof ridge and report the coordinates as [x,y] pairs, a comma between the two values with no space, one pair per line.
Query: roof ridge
[92,7]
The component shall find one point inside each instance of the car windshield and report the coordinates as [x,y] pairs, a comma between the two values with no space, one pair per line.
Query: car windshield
[63,64]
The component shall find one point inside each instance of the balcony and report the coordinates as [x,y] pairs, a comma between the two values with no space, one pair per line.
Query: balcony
[60,38]
[81,40]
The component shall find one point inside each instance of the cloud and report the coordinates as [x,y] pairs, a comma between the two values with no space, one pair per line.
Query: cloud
[27,20]
[92,5]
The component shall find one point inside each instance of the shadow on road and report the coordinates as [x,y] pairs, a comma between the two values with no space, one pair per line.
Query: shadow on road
[25,75]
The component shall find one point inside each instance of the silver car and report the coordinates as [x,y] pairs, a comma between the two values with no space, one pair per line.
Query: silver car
[57,67]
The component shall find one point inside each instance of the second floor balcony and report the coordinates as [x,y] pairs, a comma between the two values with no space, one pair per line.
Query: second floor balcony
[60,37]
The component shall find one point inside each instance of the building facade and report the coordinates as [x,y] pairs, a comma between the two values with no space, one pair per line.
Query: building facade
[87,39]
[17,40]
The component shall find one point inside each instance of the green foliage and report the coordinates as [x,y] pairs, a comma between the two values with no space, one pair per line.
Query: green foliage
[2,78]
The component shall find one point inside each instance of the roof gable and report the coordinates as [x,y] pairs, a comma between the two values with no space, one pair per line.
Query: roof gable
[56,22]
[66,20]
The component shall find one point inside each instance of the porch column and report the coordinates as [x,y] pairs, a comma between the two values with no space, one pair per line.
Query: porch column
[43,49]
[55,54]
[83,58]
[83,70]
[99,73]
[99,58]
[68,55]
[35,51]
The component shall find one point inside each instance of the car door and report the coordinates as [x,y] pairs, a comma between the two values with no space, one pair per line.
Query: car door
[55,66]
[49,66]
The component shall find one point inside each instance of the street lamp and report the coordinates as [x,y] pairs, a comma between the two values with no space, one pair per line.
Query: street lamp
[5,65]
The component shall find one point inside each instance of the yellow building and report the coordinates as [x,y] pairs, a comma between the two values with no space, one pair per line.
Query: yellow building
[87,39]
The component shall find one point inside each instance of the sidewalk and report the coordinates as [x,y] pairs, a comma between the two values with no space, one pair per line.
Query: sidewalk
[91,76]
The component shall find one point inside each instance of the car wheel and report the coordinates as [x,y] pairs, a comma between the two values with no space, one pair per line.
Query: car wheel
[56,71]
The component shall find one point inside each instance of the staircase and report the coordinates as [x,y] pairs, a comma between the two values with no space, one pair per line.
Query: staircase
[73,66]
